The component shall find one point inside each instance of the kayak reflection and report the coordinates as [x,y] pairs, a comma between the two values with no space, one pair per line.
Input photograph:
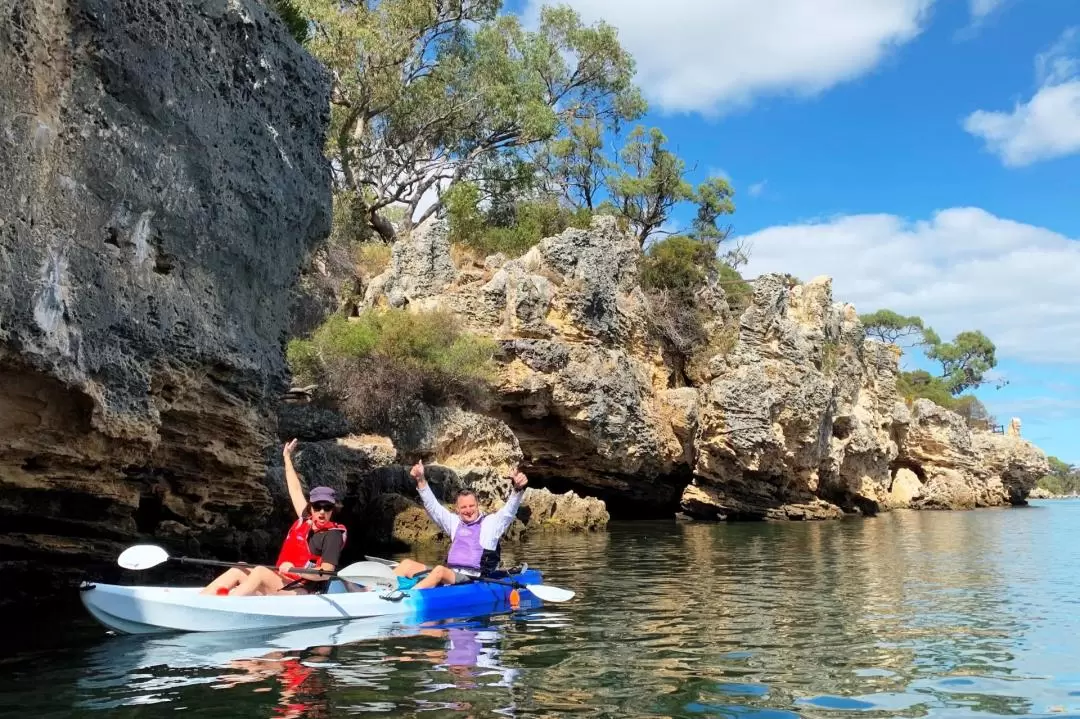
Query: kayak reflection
[300,665]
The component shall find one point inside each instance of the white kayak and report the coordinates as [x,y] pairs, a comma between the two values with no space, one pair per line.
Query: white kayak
[155,609]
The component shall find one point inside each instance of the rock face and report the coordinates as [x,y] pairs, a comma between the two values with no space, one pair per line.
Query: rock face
[163,181]
[788,412]
[963,469]
[461,449]
[585,391]
[794,420]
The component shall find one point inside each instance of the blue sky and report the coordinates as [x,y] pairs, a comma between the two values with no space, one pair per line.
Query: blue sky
[923,153]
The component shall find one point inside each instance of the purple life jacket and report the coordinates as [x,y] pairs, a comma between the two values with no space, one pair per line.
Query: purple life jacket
[465,550]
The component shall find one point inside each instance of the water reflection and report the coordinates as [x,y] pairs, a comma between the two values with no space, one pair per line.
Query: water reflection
[912,615]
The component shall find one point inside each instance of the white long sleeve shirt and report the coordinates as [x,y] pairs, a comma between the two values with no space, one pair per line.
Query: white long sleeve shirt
[492,526]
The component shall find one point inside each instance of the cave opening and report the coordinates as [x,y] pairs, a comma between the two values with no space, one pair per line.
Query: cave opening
[643,500]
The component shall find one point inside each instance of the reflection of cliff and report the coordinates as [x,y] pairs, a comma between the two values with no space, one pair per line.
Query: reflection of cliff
[766,615]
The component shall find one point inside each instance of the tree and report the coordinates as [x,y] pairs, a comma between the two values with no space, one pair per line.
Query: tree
[965,360]
[888,326]
[294,21]
[1063,478]
[575,166]
[713,198]
[679,264]
[650,183]
[430,92]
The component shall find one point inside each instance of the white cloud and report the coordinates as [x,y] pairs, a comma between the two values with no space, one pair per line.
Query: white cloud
[712,55]
[757,189]
[1041,407]
[962,269]
[982,8]
[1048,125]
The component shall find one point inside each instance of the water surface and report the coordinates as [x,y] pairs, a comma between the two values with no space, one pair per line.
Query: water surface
[913,614]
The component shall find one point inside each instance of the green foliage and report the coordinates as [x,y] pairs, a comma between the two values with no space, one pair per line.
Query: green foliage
[680,264]
[965,360]
[294,20]
[888,326]
[429,93]
[303,359]
[430,341]
[673,271]
[1063,478]
[372,258]
[650,183]
[713,198]
[511,228]
[920,384]
[382,364]
[972,409]
[739,292]
[575,163]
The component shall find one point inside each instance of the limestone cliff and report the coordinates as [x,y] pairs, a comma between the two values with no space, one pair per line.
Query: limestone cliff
[461,449]
[163,180]
[789,413]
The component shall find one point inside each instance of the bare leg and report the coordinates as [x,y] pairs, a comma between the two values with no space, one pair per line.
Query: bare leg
[226,580]
[439,575]
[409,568]
[260,581]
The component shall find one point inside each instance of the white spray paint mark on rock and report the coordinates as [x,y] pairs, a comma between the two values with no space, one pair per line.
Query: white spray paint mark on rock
[274,134]
[140,237]
[51,301]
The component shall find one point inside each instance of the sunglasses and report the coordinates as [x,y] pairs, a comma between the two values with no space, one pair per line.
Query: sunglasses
[323,507]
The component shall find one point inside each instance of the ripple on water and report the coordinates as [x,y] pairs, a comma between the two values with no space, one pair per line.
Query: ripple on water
[942,615]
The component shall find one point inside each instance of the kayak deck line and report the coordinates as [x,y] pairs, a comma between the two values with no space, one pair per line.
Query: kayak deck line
[148,609]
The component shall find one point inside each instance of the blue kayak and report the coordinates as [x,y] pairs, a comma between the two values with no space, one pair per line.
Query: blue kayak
[155,609]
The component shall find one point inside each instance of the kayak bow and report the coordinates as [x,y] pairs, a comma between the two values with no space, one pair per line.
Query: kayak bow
[148,609]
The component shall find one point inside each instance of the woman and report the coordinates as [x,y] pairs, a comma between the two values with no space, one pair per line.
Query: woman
[314,541]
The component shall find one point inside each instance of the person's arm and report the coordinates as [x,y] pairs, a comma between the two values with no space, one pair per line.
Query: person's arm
[504,517]
[439,514]
[292,480]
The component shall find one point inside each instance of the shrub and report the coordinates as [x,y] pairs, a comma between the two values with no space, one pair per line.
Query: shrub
[738,291]
[672,319]
[303,359]
[920,384]
[381,365]
[678,264]
[372,258]
[509,228]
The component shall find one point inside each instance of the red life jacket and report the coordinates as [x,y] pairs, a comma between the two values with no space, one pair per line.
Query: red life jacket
[297,551]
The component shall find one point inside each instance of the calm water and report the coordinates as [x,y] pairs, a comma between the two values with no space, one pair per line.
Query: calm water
[911,614]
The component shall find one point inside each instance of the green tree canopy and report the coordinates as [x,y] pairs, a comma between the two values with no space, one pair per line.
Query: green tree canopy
[1063,478]
[650,182]
[964,361]
[888,326]
[290,14]
[429,92]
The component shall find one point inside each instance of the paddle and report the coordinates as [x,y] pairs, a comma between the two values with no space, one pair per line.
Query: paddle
[546,592]
[145,556]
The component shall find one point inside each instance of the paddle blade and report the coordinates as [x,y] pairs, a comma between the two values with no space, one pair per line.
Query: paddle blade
[369,573]
[142,556]
[548,593]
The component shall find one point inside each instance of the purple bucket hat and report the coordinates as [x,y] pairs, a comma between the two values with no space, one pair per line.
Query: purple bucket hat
[322,494]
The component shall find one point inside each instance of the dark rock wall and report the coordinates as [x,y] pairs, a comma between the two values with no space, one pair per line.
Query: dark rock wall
[162,183]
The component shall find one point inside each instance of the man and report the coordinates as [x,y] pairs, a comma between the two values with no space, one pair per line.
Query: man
[474,537]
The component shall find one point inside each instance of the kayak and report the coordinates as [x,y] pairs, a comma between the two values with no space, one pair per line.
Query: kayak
[156,609]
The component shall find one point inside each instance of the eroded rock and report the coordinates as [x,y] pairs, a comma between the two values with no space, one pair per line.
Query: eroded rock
[163,181]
